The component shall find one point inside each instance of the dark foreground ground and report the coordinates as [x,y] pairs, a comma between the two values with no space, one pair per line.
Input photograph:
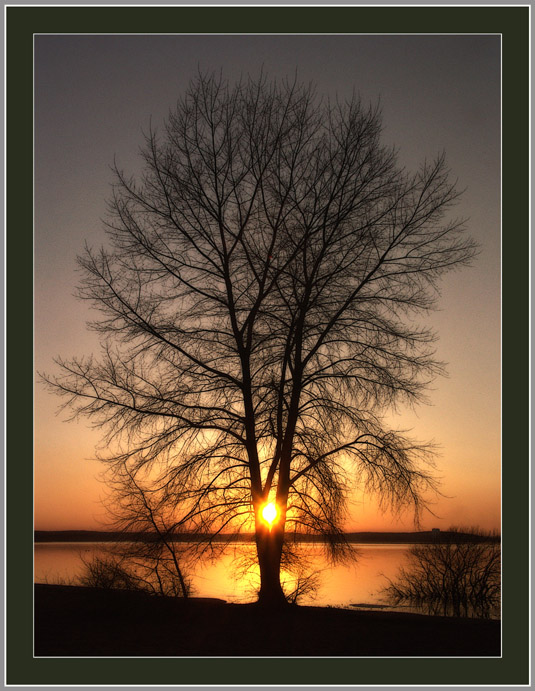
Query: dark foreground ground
[71,620]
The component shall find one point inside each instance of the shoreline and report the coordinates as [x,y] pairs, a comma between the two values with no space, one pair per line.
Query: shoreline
[79,621]
[377,538]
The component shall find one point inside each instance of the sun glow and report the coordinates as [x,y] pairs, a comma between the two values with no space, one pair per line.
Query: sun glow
[270,513]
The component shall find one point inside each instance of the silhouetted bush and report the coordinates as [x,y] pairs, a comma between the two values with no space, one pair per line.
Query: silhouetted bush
[121,572]
[450,579]
[107,573]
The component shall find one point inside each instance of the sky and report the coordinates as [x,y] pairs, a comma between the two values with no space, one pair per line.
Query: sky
[94,97]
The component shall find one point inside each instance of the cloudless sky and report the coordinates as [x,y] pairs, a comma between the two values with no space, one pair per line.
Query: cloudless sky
[94,96]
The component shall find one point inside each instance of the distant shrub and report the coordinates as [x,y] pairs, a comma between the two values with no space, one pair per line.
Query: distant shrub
[108,573]
[450,579]
[118,572]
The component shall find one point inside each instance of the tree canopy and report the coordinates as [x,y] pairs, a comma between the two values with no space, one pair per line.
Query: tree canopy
[258,303]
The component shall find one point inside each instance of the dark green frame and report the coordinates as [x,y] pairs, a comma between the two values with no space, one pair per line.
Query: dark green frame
[513,24]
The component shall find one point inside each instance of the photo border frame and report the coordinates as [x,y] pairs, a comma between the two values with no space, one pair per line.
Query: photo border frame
[512,23]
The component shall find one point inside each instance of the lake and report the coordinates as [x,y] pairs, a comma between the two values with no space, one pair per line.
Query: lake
[341,585]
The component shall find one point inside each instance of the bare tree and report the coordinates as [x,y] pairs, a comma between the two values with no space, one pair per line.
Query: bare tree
[137,506]
[461,579]
[299,575]
[257,309]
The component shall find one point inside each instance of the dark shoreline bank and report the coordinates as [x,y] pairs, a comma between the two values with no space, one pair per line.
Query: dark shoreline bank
[418,537]
[77,621]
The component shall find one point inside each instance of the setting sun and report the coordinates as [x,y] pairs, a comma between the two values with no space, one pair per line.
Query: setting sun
[269,513]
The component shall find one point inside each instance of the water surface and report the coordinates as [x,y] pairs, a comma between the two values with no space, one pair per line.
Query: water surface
[340,585]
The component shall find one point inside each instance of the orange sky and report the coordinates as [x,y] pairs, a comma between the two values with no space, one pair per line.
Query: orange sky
[440,92]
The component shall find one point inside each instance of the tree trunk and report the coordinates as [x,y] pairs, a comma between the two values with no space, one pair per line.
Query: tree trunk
[269,550]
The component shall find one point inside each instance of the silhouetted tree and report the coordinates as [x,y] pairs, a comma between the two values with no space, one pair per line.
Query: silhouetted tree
[462,579]
[150,557]
[256,305]
[300,576]
[157,563]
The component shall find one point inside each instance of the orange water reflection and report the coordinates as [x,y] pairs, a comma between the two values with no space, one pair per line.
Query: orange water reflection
[341,585]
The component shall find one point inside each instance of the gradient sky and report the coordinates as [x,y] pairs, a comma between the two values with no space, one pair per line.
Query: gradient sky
[94,95]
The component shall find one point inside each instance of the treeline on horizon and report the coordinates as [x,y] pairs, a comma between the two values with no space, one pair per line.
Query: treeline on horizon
[416,537]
